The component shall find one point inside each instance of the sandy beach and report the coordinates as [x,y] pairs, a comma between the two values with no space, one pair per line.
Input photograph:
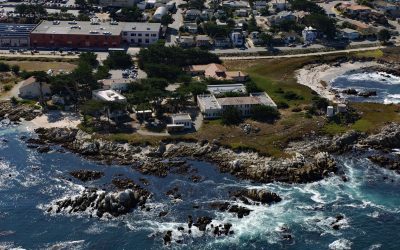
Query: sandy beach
[54,119]
[319,77]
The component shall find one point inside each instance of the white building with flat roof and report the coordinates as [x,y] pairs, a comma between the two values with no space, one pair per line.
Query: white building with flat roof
[183,119]
[212,107]
[141,33]
[108,96]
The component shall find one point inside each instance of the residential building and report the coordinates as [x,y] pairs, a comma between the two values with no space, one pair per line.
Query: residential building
[183,120]
[186,41]
[73,34]
[281,16]
[242,12]
[192,14]
[118,3]
[116,84]
[222,42]
[203,41]
[226,88]
[261,4]
[140,33]
[236,4]
[355,9]
[254,36]
[212,107]
[216,71]
[32,89]
[309,34]
[350,34]
[237,39]
[278,5]
[15,35]
[190,27]
[159,13]
[108,96]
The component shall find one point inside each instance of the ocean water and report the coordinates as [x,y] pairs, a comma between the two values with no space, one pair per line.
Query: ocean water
[387,86]
[29,182]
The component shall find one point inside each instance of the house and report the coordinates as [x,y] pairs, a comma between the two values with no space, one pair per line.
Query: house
[309,34]
[32,89]
[160,12]
[242,12]
[190,27]
[281,16]
[203,41]
[237,39]
[222,42]
[116,84]
[254,36]
[355,9]
[171,6]
[278,5]
[186,41]
[350,34]
[236,4]
[212,107]
[260,4]
[288,37]
[180,122]
[108,96]
[192,14]
[226,88]
[216,71]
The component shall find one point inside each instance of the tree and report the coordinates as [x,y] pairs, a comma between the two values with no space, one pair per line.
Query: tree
[266,39]
[132,14]
[264,113]
[231,116]
[307,6]
[89,58]
[4,67]
[118,60]
[167,19]
[251,87]
[264,11]
[322,23]
[102,72]
[15,69]
[384,36]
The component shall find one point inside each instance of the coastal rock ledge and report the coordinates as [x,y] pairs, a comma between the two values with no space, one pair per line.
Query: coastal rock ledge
[245,165]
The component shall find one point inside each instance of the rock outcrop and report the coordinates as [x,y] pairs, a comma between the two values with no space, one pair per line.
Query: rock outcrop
[17,111]
[262,196]
[99,202]
[387,138]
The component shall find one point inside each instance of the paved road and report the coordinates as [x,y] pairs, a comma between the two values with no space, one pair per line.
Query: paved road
[301,55]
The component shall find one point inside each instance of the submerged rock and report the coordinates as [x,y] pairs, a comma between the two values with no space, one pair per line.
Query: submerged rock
[86,175]
[390,163]
[257,195]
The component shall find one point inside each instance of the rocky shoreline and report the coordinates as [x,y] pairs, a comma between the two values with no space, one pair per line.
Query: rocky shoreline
[17,111]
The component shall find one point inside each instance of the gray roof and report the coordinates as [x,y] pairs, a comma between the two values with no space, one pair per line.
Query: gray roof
[15,30]
[86,28]
[141,27]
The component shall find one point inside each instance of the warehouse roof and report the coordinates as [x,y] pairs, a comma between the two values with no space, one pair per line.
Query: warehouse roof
[15,30]
[78,28]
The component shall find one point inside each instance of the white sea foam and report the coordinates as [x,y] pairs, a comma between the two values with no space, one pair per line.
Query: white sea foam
[340,244]
[67,245]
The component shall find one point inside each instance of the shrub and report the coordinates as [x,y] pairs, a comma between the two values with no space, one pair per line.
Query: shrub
[282,105]
[290,95]
[231,116]
[4,67]
[7,87]
[15,69]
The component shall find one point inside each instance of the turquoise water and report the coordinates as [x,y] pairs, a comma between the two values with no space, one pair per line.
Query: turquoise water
[30,181]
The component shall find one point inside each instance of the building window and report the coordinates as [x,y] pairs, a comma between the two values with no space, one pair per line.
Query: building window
[140,40]
[146,34]
[133,34]
[153,35]
[140,34]
[147,40]
[125,33]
